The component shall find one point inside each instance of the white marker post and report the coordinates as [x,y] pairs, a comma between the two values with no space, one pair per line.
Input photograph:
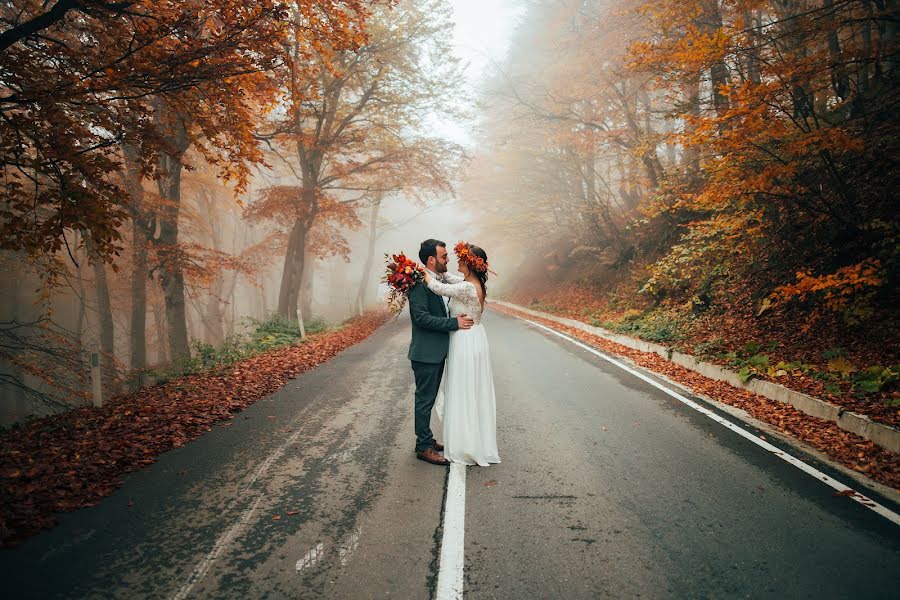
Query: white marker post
[300,320]
[96,383]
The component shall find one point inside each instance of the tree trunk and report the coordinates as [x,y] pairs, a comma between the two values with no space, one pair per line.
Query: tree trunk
[171,275]
[690,158]
[82,304]
[159,321]
[840,81]
[138,333]
[263,304]
[307,281]
[370,256]
[718,71]
[292,274]
[754,22]
[104,314]
[214,319]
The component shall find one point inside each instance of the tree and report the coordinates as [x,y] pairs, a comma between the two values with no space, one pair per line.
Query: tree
[83,79]
[77,78]
[355,127]
[790,133]
[573,139]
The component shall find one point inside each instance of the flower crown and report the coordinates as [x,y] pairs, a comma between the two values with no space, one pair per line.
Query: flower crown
[464,252]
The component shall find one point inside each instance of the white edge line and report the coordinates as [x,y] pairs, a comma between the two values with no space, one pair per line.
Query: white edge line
[450,571]
[856,496]
[224,539]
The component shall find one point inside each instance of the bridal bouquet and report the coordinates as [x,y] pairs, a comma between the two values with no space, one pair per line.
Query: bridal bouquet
[401,274]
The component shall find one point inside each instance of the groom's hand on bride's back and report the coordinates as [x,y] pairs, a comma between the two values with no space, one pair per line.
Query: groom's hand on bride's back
[464,321]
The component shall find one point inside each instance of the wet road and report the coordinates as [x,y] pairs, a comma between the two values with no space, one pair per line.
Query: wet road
[608,488]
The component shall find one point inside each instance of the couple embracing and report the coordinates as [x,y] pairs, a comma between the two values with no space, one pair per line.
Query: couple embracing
[451,359]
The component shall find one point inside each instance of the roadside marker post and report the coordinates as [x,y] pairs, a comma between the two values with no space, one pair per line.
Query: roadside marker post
[300,321]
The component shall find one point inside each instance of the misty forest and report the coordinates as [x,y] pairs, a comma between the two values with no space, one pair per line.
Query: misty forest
[198,199]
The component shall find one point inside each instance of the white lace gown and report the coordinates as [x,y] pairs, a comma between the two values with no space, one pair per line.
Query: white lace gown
[466,403]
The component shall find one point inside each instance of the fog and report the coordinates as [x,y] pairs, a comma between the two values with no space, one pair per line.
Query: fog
[60,308]
[644,156]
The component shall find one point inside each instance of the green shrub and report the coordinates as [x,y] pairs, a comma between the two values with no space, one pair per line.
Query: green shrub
[876,378]
[709,347]
[277,331]
[270,333]
[653,327]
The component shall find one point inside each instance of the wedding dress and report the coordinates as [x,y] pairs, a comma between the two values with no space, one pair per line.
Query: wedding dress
[466,403]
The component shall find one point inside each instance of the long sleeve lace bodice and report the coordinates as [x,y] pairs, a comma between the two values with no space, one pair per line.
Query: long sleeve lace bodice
[463,296]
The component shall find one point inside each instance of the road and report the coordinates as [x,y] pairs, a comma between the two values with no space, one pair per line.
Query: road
[609,488]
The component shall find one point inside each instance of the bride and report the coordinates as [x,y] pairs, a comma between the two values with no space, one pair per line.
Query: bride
[469,405]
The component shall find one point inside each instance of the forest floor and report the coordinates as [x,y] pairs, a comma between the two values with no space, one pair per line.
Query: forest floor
[70,460]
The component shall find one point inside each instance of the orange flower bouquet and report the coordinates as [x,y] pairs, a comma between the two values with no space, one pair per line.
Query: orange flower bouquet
[401,274]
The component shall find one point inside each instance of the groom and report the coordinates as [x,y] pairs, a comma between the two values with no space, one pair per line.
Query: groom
[431,327]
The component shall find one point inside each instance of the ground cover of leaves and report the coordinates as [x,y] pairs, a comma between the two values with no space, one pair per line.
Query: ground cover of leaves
[67,461]
[842,446]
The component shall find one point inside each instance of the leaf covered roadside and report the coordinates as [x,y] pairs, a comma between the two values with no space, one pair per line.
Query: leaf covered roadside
[71,460]
[847,448]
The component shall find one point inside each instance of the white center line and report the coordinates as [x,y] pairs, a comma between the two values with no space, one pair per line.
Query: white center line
[856,496]
[450,570]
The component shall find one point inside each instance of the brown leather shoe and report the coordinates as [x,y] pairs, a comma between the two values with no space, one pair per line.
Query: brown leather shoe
[432,457]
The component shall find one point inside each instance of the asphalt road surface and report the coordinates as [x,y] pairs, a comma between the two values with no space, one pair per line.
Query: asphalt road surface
[609,487]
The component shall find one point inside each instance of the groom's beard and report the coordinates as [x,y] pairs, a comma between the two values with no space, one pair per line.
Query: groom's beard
[440,269]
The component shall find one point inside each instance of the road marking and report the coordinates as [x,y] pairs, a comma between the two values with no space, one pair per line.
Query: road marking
[342,456]
[311,558]
[349,545]
[840,487]
[450,571]
[224,539]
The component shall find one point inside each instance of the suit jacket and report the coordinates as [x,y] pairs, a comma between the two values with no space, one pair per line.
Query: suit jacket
[430,325]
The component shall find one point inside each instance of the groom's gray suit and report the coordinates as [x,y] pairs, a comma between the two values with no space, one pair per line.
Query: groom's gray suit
[431,326]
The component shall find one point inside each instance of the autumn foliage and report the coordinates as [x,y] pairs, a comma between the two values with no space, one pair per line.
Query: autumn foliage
[722,176]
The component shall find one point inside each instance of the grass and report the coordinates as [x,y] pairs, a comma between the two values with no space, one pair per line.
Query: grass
[273,332]
[653,326]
